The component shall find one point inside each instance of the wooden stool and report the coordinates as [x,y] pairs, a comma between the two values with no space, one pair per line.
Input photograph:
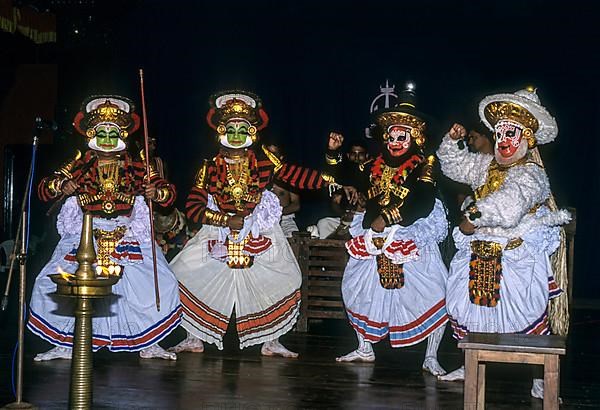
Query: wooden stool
[510,348]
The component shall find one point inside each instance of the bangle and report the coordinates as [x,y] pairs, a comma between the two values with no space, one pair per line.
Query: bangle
[333,160]
[162,194]
[216,218]
[391,215]
[55,185]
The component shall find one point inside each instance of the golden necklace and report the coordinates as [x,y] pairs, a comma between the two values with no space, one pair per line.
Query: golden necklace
[237,175]
[108,175]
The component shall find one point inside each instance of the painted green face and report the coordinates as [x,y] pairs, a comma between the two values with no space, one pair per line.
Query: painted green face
[237,132]
[107,136]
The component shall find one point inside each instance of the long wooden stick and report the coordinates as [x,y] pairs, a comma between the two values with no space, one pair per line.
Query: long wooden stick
[144,118]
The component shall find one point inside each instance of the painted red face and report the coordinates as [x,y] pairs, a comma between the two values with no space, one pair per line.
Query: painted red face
[398,141]
[509,136]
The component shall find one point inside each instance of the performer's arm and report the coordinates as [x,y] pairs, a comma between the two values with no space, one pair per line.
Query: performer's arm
[165,191]
[62,181]
[459,164]
[159,190]
[297,176]
[293,206]
[196,205]
[524,187]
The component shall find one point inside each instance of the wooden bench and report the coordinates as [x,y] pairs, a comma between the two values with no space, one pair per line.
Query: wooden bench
[510,348]
[322,262]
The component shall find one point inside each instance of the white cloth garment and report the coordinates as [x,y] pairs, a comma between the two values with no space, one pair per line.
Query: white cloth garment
[526,282]
[410,314]
[288,225]
[265,296]
[127,321]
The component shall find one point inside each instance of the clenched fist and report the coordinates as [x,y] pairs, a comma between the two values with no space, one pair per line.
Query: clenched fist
[335,141]
[457,131]
[235,222]
[69,187]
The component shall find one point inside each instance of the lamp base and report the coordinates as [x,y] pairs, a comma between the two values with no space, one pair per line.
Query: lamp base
[19,405]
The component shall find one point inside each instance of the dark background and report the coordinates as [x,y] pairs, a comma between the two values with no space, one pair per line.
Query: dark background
[317,65]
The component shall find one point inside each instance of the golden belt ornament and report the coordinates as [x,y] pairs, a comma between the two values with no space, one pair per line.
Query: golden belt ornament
[107,242]
[391,275]
[236,258]
[485,273]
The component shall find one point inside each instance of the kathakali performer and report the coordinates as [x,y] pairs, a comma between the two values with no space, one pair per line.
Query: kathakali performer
[107,183]
[501,278]
[240,259]
[395,281]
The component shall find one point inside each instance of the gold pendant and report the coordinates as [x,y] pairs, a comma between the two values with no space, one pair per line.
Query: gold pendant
[237,192]
[108,185]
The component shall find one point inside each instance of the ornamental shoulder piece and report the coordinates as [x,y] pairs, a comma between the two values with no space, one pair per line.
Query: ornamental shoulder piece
[201,176]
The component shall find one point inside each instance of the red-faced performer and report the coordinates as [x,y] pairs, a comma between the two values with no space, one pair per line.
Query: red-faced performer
[394,282]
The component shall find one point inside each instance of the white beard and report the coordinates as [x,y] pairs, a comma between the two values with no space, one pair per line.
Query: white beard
[223,142]
[520,153]
[93,144]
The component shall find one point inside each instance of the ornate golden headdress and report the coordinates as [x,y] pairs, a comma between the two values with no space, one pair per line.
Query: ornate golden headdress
[522,107]
[229,105]
[404,113]
[505,110]
[106,109]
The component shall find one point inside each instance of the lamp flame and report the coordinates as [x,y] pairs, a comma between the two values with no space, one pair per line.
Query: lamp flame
[65,275]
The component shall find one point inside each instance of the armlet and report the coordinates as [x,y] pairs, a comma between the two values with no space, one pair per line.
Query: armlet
[273,158]
[427,171]
[201,176]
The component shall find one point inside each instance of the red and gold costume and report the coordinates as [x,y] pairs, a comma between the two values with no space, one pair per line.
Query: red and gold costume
[253,268]
[237,189]
[106,190]
[107,183]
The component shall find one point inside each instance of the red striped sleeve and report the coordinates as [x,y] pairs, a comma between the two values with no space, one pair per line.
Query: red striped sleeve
[300,177]
[163,183]
[196,204]
[43,191]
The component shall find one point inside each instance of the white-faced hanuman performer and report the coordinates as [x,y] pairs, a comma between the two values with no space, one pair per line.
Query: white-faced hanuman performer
[500,279]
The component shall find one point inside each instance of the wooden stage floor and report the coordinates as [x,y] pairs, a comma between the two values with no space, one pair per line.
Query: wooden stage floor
[238,380]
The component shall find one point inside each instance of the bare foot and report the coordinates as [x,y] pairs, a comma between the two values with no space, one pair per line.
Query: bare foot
[157,352]
[58,352]
[357,356]
[189,344]
[275,348]
[455,376]
[431,365]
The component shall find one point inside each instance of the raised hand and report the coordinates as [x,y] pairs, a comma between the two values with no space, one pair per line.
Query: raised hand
[457,131]
[335,141]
